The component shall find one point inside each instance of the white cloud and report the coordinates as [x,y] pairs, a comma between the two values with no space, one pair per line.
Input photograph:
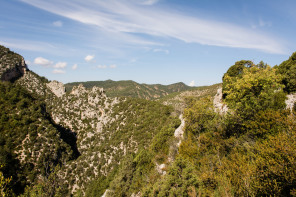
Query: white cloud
[123,17]
[162,50]
[58,71]
[60,65]
[74,67]
[192,83]
[43,62]
[105,66]
[57,23]
[101,66]
[88,58]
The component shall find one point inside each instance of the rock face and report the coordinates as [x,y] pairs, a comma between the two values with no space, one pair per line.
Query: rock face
[12,65]
[180,130]
[219,106]
[57,88]
[290,101]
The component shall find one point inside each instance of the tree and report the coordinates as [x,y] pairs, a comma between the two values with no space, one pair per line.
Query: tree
[255,90]
[4,185]
[288,70]
[181,180]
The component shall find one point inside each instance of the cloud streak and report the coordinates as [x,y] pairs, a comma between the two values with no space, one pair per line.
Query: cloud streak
[105,66]
[57,23]
[129,18]
[58,71]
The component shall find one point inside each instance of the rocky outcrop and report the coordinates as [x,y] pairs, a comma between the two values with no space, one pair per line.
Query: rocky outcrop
[57,88]
[290,101]
[180,130]
[12,65]
[78,90]
[219,106]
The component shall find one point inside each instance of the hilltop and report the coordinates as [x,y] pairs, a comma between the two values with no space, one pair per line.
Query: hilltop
[133,89]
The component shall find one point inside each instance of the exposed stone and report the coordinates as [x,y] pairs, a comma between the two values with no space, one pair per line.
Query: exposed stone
[219,106]
[161,168]
[290,101]
[13,71]
[78,90]
[106,193]
[57,88]
[180,130]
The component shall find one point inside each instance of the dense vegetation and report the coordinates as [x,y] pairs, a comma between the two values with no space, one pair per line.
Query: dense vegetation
[132,89]
[84,142]
[28,134]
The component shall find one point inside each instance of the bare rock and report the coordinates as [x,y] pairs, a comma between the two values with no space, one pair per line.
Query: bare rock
[78,90]
[290,101]
[12,65]
[219,106]
[57,88]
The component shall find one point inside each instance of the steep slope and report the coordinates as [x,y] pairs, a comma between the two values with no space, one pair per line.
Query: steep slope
[12,65]
[99,132]
[31,144]
[178,99]
[132,89]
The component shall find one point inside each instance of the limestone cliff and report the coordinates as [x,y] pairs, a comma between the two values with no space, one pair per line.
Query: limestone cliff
[12,65]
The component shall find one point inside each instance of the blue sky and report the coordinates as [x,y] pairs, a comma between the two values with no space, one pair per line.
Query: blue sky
[148,41]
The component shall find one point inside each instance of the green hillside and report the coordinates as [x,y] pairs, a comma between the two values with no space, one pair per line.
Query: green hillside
[132,89]
[237,138]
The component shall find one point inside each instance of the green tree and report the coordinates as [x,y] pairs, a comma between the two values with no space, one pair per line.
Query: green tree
[256,90]
[288,70]
[4,185]
[181,180]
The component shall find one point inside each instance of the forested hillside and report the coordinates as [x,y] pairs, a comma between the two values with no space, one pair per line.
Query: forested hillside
[132,89]
[237,138]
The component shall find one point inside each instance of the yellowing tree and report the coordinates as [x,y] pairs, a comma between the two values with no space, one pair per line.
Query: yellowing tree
[258,88]
[4,182]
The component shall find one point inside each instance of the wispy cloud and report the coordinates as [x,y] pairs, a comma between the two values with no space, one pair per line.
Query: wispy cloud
[161,50]
[192,83]
[74,67]
[261,23]
[101,66]
[129,18]
[105,66]
[28,45]
[148,2]
[60,65]
[58,71]
[88,58]
[57,23]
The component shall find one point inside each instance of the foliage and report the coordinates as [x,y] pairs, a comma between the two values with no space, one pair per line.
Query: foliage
[48,186]
[181,180]
[288,70]
[22,119]
[5,185]
[257,89]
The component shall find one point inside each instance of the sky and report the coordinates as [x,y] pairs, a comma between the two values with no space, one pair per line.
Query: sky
[148,41]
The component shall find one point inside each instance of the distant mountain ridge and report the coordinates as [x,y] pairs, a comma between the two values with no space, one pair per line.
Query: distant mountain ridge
[130,88]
